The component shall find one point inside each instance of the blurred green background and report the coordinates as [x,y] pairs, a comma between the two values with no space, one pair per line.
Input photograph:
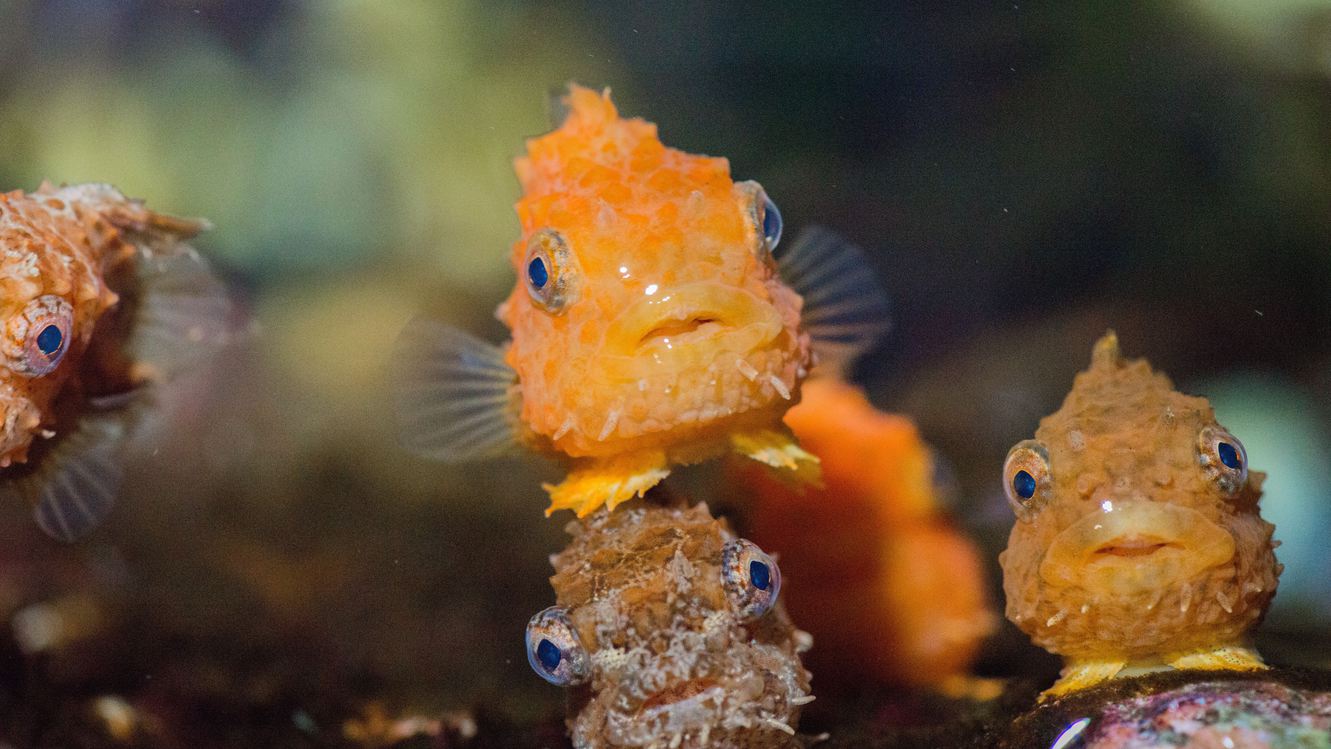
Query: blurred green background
[1024,176]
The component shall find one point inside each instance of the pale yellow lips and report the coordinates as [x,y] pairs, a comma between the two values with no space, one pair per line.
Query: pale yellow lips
[686,327]
[1134,547]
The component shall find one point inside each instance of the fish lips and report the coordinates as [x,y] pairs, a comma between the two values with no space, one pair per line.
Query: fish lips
[686,327]
[1135,547]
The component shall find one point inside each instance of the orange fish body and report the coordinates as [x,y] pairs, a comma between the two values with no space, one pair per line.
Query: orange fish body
[651,325]
[78,282]
[890,590]
[1139,542]
[669,270]
[59,249]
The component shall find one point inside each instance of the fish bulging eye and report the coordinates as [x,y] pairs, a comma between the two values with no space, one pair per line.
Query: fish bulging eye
[554,649]
[771,223]
[37,338]
[764,217]
[751,579]
[1223,459]
[50,340]
[1026,477]
[551,271]
[537,274]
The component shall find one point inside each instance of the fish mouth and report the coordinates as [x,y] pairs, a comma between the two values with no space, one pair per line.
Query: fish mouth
[676,330]
[693,689]
[686,327]
[1133,547]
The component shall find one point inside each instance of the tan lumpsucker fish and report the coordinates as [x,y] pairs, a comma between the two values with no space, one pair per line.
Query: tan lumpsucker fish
[99,299]
[669,631]
[1138,543]
[654,321]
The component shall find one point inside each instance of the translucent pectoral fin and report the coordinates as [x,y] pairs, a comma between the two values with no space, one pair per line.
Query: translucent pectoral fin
[1081,674]
[609,481]
[845,307]
[1223,658]
[72,485]
[455,397]
[778,448]
[182,316]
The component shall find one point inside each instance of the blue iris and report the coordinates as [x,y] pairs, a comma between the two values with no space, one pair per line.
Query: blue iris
[759,575]
[1229,455]
[1024,485]
[537,273]
[549,656]
[771,222]
[50,340]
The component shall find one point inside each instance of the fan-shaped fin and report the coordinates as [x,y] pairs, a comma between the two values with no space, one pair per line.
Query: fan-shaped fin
[183,313]
[456,399]
[845,308]
[73,484]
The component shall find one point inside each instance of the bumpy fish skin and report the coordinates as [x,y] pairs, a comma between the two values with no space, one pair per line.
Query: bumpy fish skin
[62,242]
[656,320]
[677,297]
[1131,552]
[133,303]
[672,665]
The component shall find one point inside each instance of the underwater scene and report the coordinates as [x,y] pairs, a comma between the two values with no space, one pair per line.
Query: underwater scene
[480,374]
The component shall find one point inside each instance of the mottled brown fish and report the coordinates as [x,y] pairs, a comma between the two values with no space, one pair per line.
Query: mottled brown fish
[669,631]
[1138,543]
[99,297]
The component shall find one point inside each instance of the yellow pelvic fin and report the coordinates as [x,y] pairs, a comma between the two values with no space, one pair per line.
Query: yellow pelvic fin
[1223,658]
[607,481]
[778,448]
[1078,675]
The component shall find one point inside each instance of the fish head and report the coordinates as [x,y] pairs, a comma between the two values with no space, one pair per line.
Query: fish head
[680,633]
[648,307]
[51,298]
[1136,513]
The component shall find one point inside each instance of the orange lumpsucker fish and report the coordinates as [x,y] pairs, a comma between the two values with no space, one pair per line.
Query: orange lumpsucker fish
[654,322]
[99,297]
[887,587]
[1138,543]
[669,632]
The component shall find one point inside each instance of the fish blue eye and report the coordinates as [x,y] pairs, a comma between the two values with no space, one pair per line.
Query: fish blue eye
[1229,455]
[1222,458]
[759,575]
[549,656]
[50,340]
[771,223]
[1027,466]
[46,322]
[1023,484]
[751,579]
[554,649]
[537,273]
